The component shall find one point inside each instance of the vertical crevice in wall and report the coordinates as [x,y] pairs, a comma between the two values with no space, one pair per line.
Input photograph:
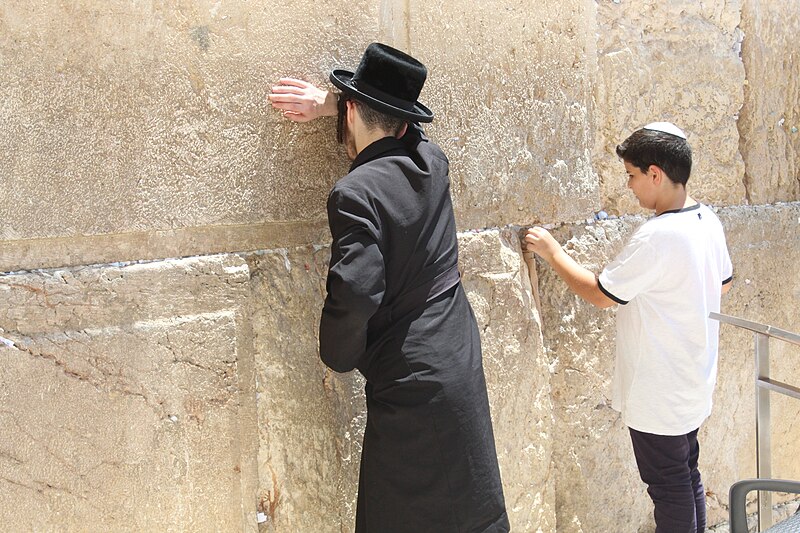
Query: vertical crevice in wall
[395,24]
[530,262]
[407,25]
[739,44]
[248,405]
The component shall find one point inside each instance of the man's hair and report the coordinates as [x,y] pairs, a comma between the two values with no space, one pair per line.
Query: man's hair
[375,119]
[669,152]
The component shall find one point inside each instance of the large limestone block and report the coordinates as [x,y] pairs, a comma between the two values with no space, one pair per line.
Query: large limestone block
[153,116]
[517,373]
[595,469]
[597,485]
[310,419]
[764,243]
[769,122]
[124,402]
[675,61]
[510,86]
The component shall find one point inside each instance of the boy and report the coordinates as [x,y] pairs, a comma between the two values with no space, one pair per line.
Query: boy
[667,280]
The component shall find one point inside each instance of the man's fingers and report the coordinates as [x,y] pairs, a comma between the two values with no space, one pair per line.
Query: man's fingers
[285,89]
[294,82]
[284,98]
[289,104]
[295,116]
[289,109]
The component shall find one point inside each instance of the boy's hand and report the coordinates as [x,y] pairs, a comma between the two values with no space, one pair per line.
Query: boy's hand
[580,280]
[540,241]
[300,101]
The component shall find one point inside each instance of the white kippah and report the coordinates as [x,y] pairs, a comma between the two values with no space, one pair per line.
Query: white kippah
[666,127]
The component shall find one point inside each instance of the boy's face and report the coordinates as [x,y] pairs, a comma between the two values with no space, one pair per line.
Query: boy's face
[642,185]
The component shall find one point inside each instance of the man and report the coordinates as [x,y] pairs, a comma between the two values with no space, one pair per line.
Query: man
[396,310]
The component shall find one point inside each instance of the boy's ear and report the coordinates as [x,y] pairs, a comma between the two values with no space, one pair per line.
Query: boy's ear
[656,173]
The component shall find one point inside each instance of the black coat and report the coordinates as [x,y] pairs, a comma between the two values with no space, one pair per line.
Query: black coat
[428,463]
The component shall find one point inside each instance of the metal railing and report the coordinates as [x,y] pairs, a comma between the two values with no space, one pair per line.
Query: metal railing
[764,384]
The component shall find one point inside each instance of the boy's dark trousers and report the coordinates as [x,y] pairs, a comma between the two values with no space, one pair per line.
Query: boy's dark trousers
[668,464]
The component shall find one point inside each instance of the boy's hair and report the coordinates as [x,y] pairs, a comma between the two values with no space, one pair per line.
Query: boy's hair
[650,147]
[375,119]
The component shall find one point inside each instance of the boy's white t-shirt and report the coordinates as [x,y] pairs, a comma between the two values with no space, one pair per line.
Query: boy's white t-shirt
[668,278]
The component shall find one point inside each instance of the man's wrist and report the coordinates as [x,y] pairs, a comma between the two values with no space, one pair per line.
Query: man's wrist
[330,106]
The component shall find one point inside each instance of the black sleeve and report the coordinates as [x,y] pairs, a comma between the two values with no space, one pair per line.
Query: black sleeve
[356,281]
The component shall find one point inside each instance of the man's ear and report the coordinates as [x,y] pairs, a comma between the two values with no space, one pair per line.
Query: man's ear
[402,130]
[351,113]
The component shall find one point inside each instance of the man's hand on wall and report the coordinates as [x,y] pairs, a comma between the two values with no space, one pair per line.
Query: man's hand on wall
[301,101]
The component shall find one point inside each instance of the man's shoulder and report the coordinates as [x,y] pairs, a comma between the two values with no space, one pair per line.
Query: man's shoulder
[434,150]
[362,179]
[351,184]
[363,182]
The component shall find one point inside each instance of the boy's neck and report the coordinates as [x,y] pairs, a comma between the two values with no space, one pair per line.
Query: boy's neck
[673,198]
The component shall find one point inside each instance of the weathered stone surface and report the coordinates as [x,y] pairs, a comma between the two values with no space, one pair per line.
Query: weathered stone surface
[595,472]
[517,373]
[511,89]
[143,132]
[123,403]
[595,469]
[310,419]
[675,61]
[764,243]
[770,118]
[154,116]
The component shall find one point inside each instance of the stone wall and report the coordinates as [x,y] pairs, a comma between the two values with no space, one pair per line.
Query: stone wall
[512,89]
[127,398]
[676,61]
[187,394]
[769,127]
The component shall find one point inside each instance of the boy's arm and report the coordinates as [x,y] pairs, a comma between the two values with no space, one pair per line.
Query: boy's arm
[580,280]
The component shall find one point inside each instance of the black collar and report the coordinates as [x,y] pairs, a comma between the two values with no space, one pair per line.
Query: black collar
[682,209]
[381,148]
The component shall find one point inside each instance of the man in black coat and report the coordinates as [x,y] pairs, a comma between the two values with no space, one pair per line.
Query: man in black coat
[396,310]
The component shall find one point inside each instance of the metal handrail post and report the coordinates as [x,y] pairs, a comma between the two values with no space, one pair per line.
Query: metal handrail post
[764,384]
[763,434]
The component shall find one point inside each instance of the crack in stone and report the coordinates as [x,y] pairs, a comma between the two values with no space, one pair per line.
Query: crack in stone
[69,465]
[19,484]
[11,457]
[62,366]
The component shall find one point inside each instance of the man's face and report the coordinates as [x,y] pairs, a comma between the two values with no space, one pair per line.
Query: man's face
[641,183]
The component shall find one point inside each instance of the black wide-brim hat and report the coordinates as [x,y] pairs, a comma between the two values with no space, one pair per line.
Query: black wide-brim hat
[388,81]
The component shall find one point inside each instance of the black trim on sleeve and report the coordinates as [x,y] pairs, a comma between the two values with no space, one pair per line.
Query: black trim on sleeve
[728,280]
[604,291]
